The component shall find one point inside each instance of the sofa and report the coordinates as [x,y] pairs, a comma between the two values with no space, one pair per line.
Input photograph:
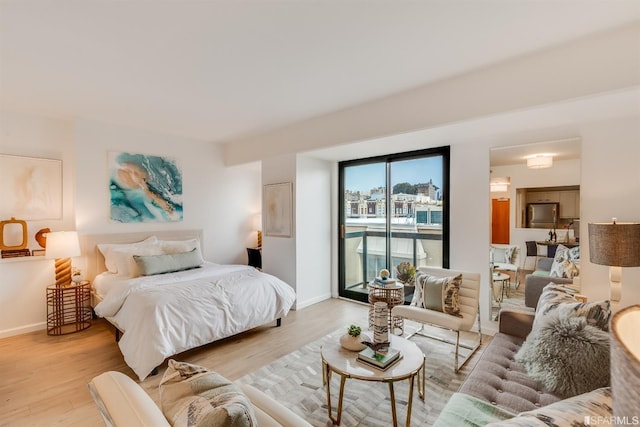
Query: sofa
[535,281]
[499,388]
[122,402]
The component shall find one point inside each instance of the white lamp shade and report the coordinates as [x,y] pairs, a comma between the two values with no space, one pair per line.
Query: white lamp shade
[539,162]
[62,244]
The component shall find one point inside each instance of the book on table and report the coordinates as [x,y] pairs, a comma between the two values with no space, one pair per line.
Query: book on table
[379,359]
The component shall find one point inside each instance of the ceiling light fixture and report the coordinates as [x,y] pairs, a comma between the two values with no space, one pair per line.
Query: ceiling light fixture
[540,161]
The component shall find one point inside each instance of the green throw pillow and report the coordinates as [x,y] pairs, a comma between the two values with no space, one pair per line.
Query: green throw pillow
[158,264]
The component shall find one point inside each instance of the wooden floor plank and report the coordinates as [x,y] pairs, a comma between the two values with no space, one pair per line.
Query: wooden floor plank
[44,378]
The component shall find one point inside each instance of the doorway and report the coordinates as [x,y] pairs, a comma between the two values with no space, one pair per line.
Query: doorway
[500,225]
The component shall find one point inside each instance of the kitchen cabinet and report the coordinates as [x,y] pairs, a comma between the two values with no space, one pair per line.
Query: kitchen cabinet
[543,196]
[569,204]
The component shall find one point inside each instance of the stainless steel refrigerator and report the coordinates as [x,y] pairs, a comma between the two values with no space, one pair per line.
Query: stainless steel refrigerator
[543,215]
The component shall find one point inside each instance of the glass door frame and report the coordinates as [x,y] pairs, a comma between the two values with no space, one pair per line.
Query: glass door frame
[389,159]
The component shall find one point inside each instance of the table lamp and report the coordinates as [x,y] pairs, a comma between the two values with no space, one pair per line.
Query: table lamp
[62,246]
[616,244]
[625,363]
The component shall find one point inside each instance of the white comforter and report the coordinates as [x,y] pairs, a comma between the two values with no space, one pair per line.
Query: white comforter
[166,314]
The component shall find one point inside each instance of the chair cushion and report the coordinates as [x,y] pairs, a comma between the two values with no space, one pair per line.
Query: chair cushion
[191,395]
[440,293]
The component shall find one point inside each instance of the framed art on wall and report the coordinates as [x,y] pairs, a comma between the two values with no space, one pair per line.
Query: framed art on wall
[278,209]
[30,188]
[144,188]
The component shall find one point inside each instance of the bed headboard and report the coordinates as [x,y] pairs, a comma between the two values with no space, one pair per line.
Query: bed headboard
[95,260]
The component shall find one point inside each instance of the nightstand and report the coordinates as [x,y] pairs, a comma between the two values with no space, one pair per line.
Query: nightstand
[68,308]
[255,257]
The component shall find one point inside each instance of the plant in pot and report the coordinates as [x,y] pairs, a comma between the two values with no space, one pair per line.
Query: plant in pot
[352,340]
[406,273]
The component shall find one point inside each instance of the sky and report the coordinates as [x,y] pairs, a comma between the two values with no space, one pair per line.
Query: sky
[415,171]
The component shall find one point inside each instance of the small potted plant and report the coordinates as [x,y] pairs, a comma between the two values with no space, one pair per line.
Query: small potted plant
[351,340]
[406,273]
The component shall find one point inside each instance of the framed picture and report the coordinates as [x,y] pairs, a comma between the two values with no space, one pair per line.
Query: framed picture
[277,206]
[144,188]
[30,188]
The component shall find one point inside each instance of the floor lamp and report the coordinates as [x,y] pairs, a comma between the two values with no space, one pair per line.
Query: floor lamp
[616,244]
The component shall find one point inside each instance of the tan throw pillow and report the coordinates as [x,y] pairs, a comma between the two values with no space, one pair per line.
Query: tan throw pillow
[191,395]
[440,293]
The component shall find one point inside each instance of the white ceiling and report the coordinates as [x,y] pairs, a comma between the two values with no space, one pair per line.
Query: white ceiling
[227,69]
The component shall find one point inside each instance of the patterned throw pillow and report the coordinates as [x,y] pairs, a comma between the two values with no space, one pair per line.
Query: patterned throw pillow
[584,409]
[558,297]
[191,395]
[440,293]
[565,262]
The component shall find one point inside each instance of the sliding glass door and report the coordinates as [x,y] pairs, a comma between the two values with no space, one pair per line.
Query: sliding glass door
[392,209]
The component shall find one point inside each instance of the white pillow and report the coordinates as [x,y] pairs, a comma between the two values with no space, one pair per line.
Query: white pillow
[107,250]
[126,264]
[171,247]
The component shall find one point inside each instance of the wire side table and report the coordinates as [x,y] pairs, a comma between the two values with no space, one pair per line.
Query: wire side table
[393,294]
[68,308]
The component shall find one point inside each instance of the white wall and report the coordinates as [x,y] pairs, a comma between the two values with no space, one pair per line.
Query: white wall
[313,231]
[221,200]
[610,187]
[23,281]
[279,253]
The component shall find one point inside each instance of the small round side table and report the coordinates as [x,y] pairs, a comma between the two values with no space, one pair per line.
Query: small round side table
[68,308]
[393,294]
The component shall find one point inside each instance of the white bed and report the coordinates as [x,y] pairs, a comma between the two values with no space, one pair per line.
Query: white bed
[164,314]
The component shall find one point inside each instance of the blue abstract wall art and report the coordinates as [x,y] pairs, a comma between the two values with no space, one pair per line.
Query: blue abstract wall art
[144,188]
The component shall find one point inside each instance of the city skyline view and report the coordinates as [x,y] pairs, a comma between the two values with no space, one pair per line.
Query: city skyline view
[364,178]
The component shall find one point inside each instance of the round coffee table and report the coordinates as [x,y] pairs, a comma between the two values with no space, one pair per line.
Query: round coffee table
[344,363]
[505,281]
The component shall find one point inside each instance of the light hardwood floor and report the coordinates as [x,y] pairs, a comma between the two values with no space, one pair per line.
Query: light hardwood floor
[44,378]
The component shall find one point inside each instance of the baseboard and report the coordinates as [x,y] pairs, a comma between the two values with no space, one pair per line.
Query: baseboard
[302,304]
[23,329]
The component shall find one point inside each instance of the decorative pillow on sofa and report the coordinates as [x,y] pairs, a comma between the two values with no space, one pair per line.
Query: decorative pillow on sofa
[565,262]
[559,297]
[440,293]
[566,355]
[191,395]
[584,409]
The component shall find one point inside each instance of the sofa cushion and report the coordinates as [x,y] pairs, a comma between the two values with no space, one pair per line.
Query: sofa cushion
[591,408]
[559,297]
[567,355]
[498,379]
[191,395]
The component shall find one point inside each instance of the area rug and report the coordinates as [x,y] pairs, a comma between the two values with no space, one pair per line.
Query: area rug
[295,380]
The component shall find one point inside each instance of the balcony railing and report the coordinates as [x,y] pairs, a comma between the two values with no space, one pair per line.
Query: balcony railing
[365,252]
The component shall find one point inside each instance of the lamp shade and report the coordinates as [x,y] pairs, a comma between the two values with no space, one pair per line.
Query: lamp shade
[539,162]
[615,244]
[62,244]
[625,362]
